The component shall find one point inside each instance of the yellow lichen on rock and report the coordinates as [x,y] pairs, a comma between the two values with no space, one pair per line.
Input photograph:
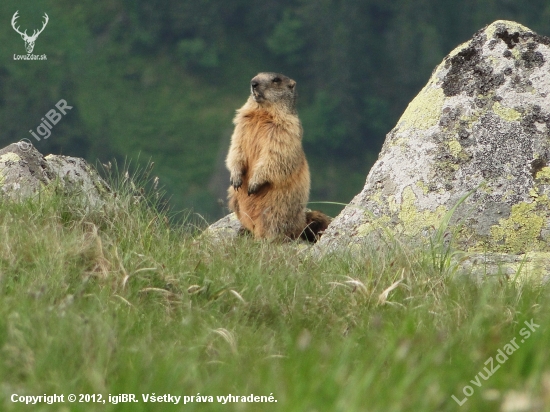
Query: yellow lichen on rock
[454,147]
[425,110]
[373,225]
[414,220]
[506,113]
[543,175]
[423,186]
[521,231]
[11,156]
[510,25]
[377,198]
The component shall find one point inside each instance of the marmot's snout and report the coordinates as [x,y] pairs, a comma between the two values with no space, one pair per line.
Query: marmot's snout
[255,90]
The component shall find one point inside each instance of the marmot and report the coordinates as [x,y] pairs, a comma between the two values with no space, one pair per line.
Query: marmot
[270,178]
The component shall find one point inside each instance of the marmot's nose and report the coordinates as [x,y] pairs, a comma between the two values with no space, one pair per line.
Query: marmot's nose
[254,84]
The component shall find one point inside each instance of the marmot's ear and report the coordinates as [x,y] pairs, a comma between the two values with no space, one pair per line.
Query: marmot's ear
[291,84]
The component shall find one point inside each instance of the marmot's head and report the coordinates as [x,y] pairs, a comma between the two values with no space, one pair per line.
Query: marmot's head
[273,88]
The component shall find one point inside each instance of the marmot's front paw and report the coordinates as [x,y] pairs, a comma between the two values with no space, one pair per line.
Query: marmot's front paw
[236,181]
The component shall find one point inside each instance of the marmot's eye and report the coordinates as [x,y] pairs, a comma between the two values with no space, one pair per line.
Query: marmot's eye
[276,80]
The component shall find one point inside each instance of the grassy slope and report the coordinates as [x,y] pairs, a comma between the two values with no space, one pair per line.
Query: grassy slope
[116,301]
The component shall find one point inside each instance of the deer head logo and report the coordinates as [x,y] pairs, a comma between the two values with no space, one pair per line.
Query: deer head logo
[29,40]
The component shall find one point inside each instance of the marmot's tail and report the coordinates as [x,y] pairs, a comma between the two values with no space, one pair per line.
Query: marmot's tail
[316,223]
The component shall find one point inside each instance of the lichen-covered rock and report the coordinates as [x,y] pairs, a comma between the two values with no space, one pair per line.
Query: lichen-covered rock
[24,172]
[77,176]
[480,125]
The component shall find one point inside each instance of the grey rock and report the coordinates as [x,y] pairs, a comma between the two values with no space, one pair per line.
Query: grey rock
[534,265]
[228,227]
[480,126]
[24,173]
[77,176]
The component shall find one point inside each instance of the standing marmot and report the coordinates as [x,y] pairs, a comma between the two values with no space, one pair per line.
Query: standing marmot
[269,172]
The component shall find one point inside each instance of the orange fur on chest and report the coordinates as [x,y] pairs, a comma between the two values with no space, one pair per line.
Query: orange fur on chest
[257,130]
[261,135]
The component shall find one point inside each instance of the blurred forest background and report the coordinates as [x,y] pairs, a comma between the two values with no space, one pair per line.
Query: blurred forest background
[161,79]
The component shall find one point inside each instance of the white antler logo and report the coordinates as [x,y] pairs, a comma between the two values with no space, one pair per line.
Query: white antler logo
[29,40]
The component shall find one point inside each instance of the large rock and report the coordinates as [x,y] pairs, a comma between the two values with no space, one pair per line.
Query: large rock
[480,125]
[24,172]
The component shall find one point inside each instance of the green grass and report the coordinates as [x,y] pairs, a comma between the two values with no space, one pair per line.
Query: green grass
[118,300]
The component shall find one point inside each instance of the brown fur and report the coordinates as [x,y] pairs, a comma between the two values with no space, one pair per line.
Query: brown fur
[316,223]
[270,178]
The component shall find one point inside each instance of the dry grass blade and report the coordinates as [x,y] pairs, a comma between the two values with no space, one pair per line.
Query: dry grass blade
[144,270]
[356,285]
[195,289]
[237,295]
[127,276]
[383,297]
[124,300]
[163,291]
[228,337]
[352,284]
[276,356]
